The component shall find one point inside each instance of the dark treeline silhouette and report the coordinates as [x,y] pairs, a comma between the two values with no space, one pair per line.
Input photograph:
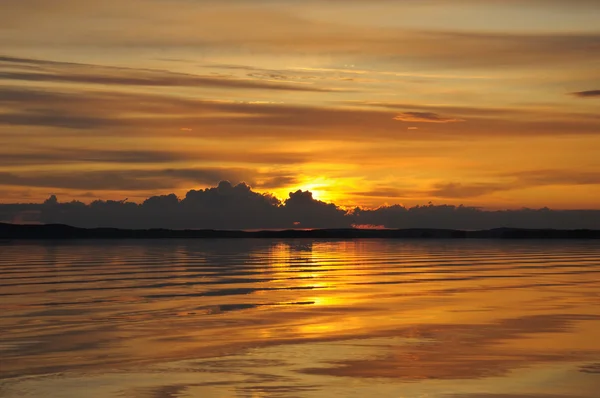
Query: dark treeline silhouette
[60,231]
[229,207]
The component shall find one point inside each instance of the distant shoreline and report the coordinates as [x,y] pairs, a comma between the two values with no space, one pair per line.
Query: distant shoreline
[64,232]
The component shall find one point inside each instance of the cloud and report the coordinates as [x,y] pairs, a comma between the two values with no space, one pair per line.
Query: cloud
[525,112]
[587,94]
[225,206]
[48,117]
[383,192]
[513,181]
[52,156]
[234,28]
[555,177]
[425,117]
[457,190]
[131,179]
[111,113]
[276,182]
[80,155]
[229,206]
[64,72]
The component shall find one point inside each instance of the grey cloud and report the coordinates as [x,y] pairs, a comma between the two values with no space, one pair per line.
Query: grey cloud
[425,117]
[277,181]
[82,110]
[477,112]
[129,180]
[556,177]
[17,60]
[225,206]
[464,217]
[80,155]
[48,117]
[90,110]
[383,192]
[55,156]
[587,94]
[145,179]
[167,81]
[426,108]
[63,72]
[229,206]
[515,180]
[12,95]
[457,190]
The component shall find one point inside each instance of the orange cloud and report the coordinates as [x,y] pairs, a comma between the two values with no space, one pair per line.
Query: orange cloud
[425,117]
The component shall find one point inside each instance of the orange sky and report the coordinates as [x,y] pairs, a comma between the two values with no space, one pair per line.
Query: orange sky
[487,103]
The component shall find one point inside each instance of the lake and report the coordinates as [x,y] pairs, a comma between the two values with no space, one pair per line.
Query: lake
[300,318]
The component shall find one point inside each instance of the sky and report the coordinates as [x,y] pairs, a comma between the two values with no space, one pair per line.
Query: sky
[485,103]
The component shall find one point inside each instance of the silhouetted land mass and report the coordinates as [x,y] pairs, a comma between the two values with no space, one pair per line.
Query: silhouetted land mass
[59,231]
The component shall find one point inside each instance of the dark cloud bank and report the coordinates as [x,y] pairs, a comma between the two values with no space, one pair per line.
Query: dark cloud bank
[230,206]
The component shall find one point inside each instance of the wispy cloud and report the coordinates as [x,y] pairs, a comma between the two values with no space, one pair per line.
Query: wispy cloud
[414,101]
[110,113]
[459,190]
[55,156]
[143,179]
[587,94]
[425,117]
[218,28]
[515,181]
[63,72]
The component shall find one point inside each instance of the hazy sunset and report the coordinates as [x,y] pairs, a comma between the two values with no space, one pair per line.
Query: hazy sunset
[365,103]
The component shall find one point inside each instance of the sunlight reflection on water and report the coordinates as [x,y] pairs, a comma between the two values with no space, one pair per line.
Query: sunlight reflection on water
[260,318]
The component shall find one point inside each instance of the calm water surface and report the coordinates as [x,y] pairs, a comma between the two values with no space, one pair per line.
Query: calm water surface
[261,318]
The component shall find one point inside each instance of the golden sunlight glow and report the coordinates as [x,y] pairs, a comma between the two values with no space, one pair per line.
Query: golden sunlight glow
[317,191]
[323,188]
[314,107]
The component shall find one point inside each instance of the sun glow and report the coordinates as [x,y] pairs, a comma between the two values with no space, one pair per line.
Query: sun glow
[317,190]
[327,189]
[322,188]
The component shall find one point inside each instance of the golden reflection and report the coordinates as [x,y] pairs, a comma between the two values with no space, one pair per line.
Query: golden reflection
[330,300]
[483,313]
